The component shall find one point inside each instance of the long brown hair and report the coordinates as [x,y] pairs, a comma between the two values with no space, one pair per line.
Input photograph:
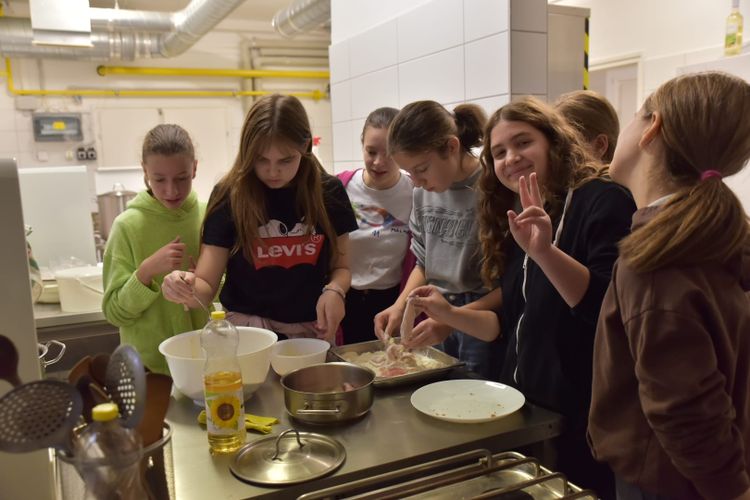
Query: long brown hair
[426,126]
[280,119]
[592,115]
[569,166]
[704,126]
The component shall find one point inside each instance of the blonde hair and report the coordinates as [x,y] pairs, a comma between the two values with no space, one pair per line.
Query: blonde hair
[569,166]
[166,139]
[704,126]
[280,119]
[592,115]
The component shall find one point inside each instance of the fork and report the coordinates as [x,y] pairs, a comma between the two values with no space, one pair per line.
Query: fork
[185,306]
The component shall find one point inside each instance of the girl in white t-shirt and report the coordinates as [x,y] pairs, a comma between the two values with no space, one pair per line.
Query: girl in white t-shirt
[381,197]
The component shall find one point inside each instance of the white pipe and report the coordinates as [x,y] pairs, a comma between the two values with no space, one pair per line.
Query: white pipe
[130,20]
[301,16]
[133,38]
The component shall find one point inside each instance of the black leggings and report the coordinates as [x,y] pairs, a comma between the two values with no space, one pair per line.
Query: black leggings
[361,308]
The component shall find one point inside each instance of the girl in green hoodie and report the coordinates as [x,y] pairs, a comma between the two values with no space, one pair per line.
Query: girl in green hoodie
[158,233]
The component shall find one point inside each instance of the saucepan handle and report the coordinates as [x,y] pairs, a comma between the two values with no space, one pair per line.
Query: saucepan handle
[54,360]
[307,411]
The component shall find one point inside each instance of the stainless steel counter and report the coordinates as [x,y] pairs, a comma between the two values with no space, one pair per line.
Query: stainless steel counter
[392,435]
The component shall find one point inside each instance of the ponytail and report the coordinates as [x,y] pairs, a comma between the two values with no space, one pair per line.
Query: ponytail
[470,120]
[702,223]
[426,126]
[704,139]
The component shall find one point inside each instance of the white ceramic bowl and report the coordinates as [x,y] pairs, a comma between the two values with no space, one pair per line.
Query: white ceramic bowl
[185,360]
[291,354]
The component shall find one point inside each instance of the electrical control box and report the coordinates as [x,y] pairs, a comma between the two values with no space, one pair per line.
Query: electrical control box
[57,127]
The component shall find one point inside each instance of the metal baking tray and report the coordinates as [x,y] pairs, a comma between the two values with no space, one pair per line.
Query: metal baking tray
[376,345]
[506,476]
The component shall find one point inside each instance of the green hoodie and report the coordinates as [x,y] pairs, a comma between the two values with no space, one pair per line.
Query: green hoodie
[144,317]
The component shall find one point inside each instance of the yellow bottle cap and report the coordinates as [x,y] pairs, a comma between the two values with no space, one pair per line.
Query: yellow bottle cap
[104,412]
[218,315]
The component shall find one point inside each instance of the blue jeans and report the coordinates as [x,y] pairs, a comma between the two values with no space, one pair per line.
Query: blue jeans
[483,358]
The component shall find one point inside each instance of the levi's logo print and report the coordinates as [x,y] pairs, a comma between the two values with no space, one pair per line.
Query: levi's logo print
[379,219]
[281,246]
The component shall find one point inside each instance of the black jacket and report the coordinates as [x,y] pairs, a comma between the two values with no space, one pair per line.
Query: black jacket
[552,363]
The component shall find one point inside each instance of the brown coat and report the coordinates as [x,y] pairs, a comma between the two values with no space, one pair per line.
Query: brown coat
[670,411]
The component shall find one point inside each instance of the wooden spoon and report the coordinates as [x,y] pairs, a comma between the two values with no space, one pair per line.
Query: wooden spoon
[83,367]
[99,368]
[158,390]
[98,394]
[82,384]
[9,361]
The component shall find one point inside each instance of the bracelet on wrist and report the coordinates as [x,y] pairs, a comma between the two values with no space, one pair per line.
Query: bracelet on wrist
[336,290]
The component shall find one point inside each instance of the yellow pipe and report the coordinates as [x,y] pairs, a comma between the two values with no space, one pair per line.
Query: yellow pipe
[314,94]
[224,73]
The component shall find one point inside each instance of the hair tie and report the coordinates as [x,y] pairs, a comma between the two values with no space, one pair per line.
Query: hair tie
[707,174]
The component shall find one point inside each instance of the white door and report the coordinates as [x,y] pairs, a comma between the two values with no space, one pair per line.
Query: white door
[619,84]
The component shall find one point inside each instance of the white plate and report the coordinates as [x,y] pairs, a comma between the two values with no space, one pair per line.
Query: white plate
[467,401]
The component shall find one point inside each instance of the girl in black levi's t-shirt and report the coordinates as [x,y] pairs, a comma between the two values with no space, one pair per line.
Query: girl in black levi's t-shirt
[278,225]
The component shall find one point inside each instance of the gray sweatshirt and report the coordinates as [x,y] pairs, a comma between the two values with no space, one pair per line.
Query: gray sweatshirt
[444,236]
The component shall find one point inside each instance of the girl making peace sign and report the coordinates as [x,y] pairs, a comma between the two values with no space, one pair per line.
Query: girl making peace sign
[549,224]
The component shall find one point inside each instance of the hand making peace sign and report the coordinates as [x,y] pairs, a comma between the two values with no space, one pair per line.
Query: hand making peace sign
[532,228]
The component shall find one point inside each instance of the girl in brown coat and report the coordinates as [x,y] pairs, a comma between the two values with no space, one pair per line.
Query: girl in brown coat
[671,392]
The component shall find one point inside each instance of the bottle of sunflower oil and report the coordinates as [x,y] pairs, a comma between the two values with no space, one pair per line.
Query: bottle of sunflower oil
[222,385]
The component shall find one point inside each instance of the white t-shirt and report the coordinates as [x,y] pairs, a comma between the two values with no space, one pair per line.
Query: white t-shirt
[378,247]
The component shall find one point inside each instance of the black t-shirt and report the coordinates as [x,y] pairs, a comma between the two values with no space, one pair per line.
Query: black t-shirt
[289,268]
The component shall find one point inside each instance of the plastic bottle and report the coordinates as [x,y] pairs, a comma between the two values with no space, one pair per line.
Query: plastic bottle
[108,457]
[222,385]
[733,38]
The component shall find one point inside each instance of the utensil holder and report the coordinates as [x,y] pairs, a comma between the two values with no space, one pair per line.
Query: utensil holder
[157,471]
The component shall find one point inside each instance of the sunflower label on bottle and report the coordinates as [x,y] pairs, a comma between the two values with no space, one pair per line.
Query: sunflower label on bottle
[222,383]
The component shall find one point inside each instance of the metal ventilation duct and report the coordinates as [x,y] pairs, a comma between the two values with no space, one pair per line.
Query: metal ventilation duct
[124,35]
[301,16]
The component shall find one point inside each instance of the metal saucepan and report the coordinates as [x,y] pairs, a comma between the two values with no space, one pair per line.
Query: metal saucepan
[328,392]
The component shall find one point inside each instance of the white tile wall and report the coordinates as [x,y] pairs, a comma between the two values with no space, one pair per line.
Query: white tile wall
[492,104]
[439,77]
[528,60]
[342,141]
[429,28]
[8,142]
[485,17]
[356,131]
[450,51]
[341,101]
[25,141]
[374,90]
[487,71]
[528,15]
[384,39]
[338,60]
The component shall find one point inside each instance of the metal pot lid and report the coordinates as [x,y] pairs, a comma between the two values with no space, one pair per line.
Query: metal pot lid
[282,460]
